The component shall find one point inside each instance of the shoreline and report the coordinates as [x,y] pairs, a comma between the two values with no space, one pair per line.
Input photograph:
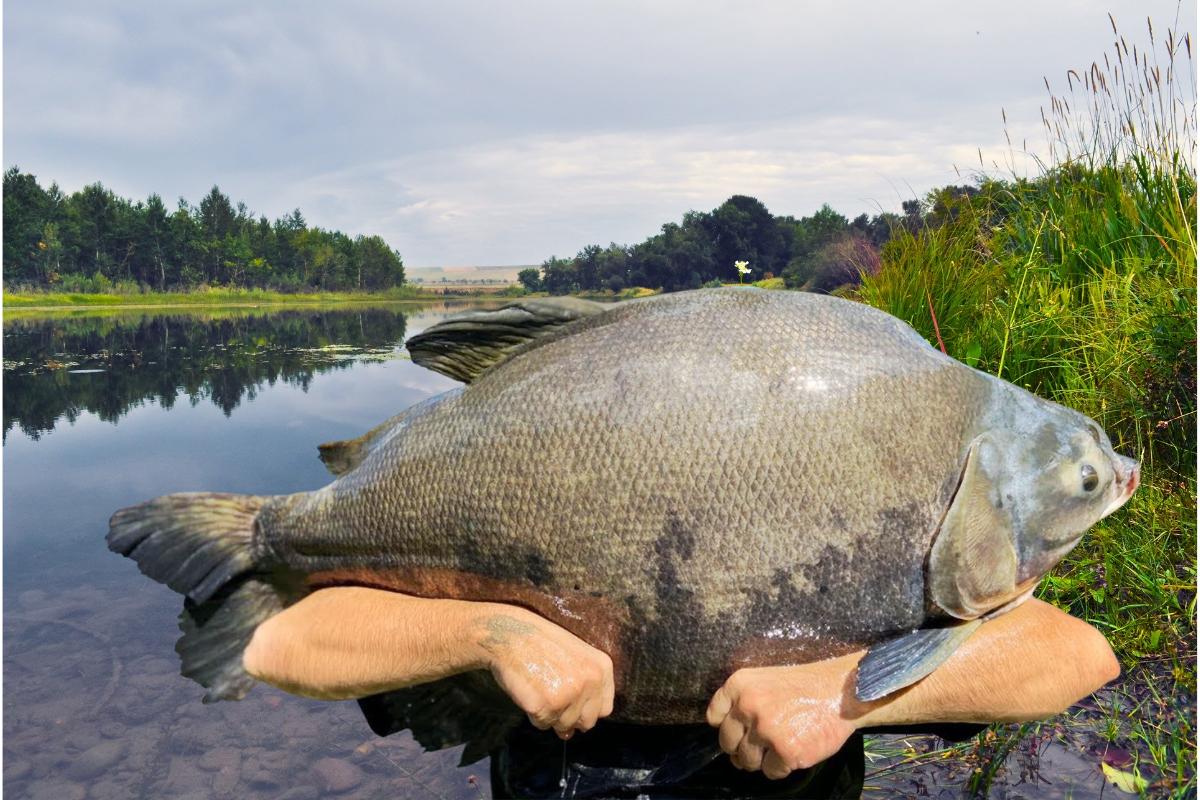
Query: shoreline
[228,304]
[81,301]
[159,300]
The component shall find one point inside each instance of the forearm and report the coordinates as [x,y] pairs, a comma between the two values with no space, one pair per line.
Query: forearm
[1030,663]
[346,642]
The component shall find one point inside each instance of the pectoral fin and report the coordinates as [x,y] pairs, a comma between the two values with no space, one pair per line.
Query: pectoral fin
[900,662]
[973,562]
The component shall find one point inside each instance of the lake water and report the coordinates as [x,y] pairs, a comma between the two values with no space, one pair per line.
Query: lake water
[103,411]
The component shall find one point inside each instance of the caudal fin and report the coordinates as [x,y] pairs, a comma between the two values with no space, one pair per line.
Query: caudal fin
[202,545]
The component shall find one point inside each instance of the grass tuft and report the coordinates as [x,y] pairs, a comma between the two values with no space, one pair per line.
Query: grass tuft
[1080,285]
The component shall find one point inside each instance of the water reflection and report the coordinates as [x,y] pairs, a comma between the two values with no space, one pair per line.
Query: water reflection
[93,704]
[56,369]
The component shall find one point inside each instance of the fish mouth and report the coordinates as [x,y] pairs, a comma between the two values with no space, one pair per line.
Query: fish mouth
[1129,477]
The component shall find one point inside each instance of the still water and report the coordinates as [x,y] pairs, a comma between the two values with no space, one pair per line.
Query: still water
[103,411]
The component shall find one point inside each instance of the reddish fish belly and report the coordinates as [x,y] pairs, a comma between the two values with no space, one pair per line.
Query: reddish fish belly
[596,620]
[768,651]
[599,622]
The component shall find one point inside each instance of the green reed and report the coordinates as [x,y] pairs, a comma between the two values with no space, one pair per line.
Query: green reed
[1080,285]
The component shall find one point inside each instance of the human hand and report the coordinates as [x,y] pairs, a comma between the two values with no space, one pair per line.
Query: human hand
[556,678]
[780,719]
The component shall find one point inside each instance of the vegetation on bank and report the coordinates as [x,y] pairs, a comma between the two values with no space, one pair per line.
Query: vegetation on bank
[208,296]
[1080,284]
[92,241]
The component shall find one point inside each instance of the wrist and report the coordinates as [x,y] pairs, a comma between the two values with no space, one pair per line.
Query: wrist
[835,679]
[489,630]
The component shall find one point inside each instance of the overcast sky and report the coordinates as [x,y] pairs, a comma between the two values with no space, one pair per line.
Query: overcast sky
[501,133]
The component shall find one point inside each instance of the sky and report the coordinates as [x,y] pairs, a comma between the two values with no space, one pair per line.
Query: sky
[474,133]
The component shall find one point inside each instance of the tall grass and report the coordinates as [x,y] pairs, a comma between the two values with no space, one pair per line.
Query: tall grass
[1080,284]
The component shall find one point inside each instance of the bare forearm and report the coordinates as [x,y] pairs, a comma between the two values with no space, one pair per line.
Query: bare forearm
[345,642]
[348,642]
[1030,663]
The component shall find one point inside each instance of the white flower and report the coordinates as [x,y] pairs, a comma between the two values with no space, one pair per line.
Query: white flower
[742,266]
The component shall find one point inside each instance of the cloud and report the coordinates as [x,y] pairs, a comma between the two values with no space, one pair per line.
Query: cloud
[567,191]
[469,133]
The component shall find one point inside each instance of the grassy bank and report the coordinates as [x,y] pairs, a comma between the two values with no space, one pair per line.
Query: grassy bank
[212,297]
[1080,285]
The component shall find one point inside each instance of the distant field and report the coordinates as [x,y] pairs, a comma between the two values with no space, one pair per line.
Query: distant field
[471,276]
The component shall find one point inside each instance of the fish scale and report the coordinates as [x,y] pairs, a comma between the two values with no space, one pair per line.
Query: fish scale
[582,453]
[693,482]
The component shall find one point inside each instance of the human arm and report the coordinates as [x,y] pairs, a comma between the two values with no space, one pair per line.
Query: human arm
[350,641]
[1030,663]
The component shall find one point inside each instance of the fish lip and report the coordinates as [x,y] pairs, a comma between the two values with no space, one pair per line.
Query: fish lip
[1128,480]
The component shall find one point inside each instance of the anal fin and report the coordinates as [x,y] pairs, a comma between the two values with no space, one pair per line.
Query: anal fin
[900,662]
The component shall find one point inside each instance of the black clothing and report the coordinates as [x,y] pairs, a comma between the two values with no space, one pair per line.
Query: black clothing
[613,760]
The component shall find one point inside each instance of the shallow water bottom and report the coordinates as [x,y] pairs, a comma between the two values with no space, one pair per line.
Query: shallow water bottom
[93,711]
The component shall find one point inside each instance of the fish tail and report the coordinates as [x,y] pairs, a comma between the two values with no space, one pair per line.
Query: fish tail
[194,542]
[203,546]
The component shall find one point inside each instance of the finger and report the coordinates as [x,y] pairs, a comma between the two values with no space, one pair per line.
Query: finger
[589,715]
[608,691]
[540,721]
[566,722]
[774,767]
[718,708]
[749,753]
[730,735]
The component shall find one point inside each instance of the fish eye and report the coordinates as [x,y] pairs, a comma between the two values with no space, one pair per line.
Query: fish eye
[1090,479]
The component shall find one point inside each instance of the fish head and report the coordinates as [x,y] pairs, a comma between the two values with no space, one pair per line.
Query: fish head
[1032,483]
[1061,481]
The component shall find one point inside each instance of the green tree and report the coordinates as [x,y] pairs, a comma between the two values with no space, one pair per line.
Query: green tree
[531,279]
[742,229]
[94,238]
[809,235]
[25,212]
[376,266]
[91,219]
[559,276]
[51,248]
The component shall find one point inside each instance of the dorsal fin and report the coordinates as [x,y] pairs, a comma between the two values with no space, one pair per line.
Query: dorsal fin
[465,345]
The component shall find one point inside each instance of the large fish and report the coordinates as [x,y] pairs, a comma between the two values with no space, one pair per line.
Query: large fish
[693,482]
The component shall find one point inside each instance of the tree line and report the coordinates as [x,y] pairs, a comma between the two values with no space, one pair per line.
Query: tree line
[819,252]
[91,240]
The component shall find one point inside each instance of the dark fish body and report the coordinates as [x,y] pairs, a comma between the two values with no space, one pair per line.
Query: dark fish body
[692,482]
